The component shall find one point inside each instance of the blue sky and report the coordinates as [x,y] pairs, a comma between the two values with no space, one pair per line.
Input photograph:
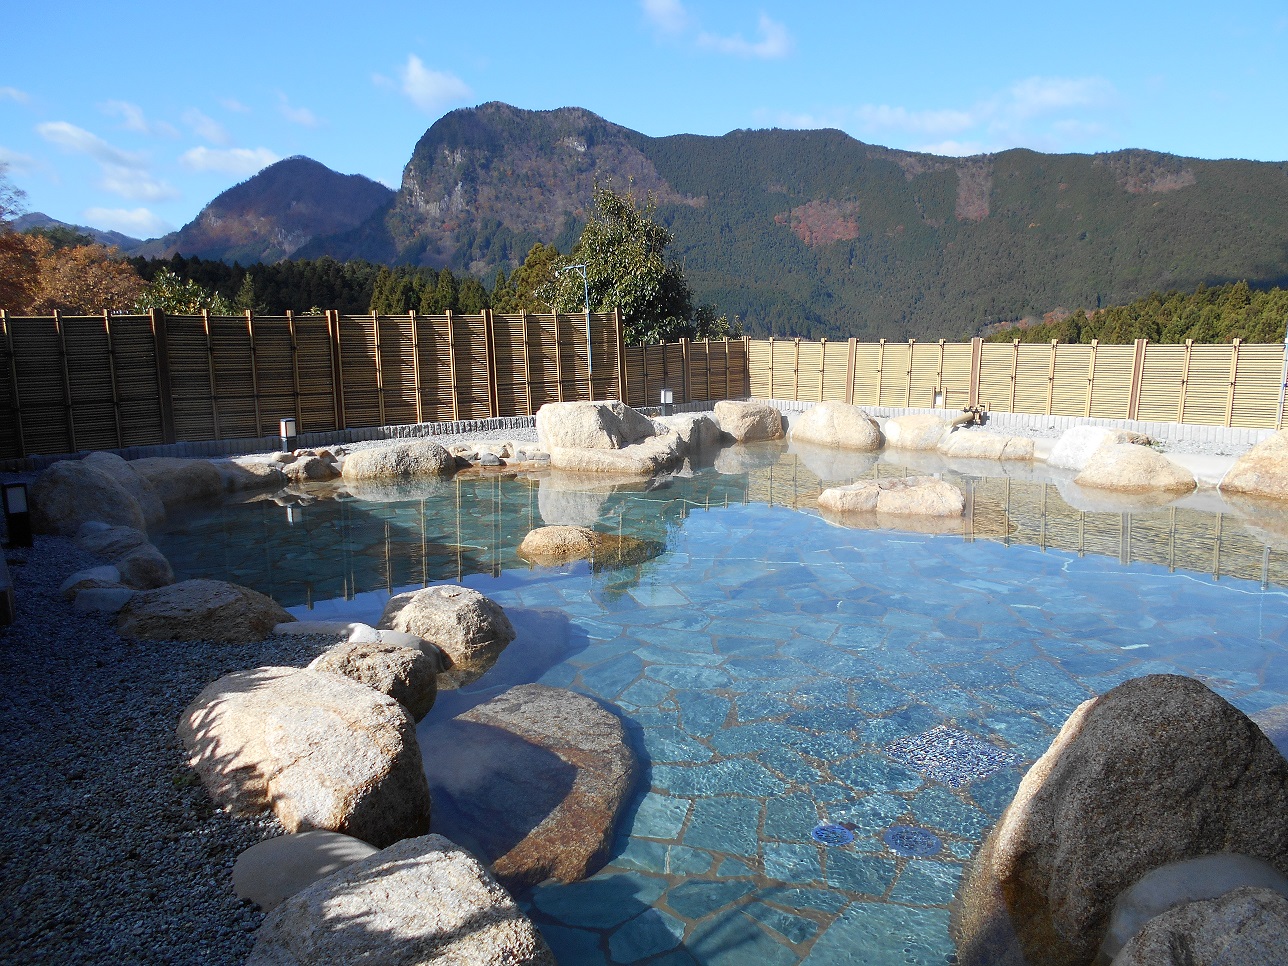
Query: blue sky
[133,115]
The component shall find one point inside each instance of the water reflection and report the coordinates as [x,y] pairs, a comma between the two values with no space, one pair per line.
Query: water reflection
[334,542]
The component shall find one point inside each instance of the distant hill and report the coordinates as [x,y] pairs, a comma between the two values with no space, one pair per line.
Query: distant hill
[38,219]
[270,216]
[809,233]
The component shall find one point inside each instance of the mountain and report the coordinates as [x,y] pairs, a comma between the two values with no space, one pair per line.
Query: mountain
[38,219]
[814,233]
[270,216]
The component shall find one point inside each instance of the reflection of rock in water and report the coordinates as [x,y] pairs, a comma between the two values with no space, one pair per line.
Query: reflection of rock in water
[557,545]
[532,781]
[746,457]
[833,465]
[1266,520]
[1092,500]
[373,491]
[578,500]
[895,521]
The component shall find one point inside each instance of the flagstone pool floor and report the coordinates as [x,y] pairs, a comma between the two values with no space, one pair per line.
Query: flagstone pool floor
[784,682]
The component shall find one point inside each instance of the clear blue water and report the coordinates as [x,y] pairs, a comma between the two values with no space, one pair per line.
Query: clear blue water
[778,674]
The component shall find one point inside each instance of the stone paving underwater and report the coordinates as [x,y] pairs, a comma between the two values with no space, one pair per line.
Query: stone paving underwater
[829,721]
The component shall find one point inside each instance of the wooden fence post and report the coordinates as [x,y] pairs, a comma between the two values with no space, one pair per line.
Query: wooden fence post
[337,368]
[771,368]
[1234,377]
[685,362]
[380,375]
[111,372]
[1051,378]
[254,370]
[559,387]
[20,442]
[621,354]
[68,415]
[295,370]
[706,349]
[912,348]
[881,344]
[1185,381]
[165,395]
[415,364]
[527,362]
[590,363]
[1137,373]
[939,380]
[849,371]
[210,370]
[451,354]
[1091,374]
[822,367]
[976,355]
[796,368]
[1015,370]
[489,354]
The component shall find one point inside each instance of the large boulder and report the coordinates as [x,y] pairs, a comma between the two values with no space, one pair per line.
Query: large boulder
[590,425]
[124,473]
[422,902]
[697,431]
[201,610]
[402,461]
[471,630]
[406,674]
[277,868]
[250,473]
[532,781]
[919,431]
[1157,770]
[748,422]
[1262,470]
[72,492]
[145,568]
[980,444]
[651,455]
[1246,927]
[310,468]
[836,424]
[899,496]
[553,546]
[1128,468]
[322,751]
[107,541]
[1075,446]
[178,481]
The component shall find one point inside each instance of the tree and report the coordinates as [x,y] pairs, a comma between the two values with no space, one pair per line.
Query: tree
[84,279]
[521,292]
[178,296]
[19,270]
[624,251]
[246,297]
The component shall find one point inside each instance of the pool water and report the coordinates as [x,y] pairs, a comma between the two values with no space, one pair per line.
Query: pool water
[828,720]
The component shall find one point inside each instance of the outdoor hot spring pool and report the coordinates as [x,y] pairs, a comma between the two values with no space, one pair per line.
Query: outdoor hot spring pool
[778,673]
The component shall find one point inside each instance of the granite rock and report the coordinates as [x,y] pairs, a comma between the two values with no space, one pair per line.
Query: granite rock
[749,422]
[201,610]
[469,629]
[406,674]
[835,424]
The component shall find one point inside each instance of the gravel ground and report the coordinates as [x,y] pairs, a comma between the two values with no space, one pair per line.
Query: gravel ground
[111,852]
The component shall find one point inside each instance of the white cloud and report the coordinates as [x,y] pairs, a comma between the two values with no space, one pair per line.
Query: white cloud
[133,119]
[19,163]
[234,105]
[296,115]
[13,94]
[1045,113]
[135,184]
[138,222]
[668,15]
[235,161]
[78,140]
[428,89]
[774,43]
[205,127]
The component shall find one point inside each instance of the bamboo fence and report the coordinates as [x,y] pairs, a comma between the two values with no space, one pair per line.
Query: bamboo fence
[1237,384]
[116,381]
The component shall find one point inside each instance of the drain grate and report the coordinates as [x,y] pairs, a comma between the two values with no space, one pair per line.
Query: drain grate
[911,841]
[950,756]
[829,834]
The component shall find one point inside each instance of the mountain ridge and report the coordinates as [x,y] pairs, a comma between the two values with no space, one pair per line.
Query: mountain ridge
[815,233]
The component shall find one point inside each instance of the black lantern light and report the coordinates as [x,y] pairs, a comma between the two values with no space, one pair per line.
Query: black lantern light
[17,517]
